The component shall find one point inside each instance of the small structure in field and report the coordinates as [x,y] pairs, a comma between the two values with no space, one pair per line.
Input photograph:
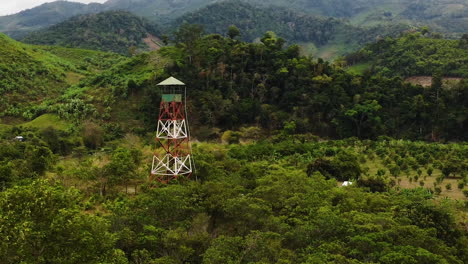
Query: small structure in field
[19,138]
[347,183]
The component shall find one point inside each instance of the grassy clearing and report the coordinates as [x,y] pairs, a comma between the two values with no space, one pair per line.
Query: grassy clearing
[48,120]
[376,16]
[339,47]
[73,78]
[358,68]
[4,127]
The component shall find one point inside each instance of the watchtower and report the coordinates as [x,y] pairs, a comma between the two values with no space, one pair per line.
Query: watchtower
[172,134]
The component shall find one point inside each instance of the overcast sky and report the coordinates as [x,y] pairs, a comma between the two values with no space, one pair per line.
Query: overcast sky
[8,7]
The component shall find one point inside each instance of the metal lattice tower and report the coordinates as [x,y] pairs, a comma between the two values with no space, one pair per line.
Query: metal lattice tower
[172,134]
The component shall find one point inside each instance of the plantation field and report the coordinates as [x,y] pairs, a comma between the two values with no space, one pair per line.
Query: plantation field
[404,182]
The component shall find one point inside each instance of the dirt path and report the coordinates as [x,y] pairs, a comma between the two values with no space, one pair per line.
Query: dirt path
[152,42]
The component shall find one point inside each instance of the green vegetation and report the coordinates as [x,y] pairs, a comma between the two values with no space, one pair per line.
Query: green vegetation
[333,37]
[115,31]
[34,76]
[47,120]
[276,135]
[28,74]
[359,68]
[265,201]
[235,83]
[253,22]
[415,54]
[448,16]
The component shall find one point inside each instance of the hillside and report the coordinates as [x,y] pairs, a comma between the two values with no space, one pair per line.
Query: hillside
[253,22]
[415,54]
[239,84]
[158,10]
[323,33]
[31,75]
[42,16]
[264,84]
[447,16]
[115,31]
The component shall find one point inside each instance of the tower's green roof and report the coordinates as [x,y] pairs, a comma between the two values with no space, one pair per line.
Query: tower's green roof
[171,81]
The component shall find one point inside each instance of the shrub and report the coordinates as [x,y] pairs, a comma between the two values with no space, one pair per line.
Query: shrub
[93,135]
[342,167]
[374,183]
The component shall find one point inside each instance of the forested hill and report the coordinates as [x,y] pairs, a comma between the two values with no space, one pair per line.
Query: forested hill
[291,25]
[45,15]
[415,54]
[442,15]
[253,22]
[235,83]
[447,16]
[159,10]
[116,31]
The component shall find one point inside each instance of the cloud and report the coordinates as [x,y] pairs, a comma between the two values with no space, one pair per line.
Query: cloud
[12,7]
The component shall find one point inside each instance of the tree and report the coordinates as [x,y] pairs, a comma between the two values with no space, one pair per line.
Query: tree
[448,186]
[165,39]
[233,32]
[374,183]
[365,115]
[93,135]
[224,250]
[344,166]
[39,159]
[42,223]
[6,175]
[230,137]
[465,192]
[187,36]
[121,167]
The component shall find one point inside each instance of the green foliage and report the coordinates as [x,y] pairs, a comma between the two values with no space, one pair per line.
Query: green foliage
[27,74]
[93,135]
[264,84]
[271,201]
[115,31]
[413,54]
[42,223]
[342,167]
[445,15]
[121,167]
[230,137]
[250,22]
[40,75]
[238,84]
[25,160]
[252,203]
